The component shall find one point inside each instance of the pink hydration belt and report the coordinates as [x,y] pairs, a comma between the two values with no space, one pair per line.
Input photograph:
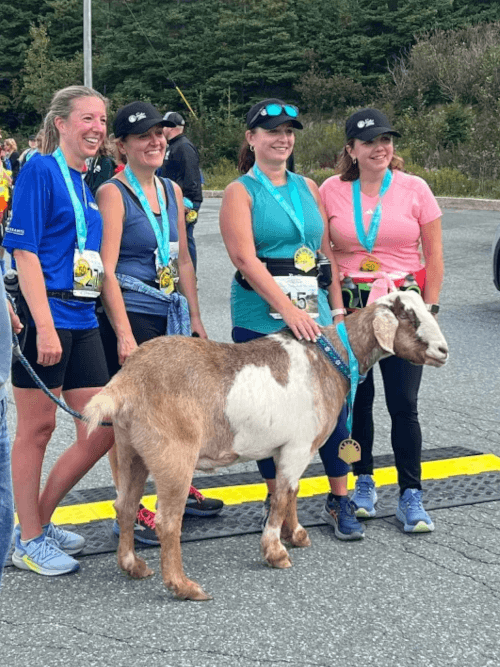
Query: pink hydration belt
[383,283]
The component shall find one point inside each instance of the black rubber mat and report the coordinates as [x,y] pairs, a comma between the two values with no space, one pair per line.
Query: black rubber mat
[246,518]
[237,479]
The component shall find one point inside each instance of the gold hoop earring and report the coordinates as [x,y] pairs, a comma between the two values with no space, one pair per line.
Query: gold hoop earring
[252,149]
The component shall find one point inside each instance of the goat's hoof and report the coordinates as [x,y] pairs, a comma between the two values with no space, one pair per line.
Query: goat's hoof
[189,590]
[300,538]
[278,558]
[138,569]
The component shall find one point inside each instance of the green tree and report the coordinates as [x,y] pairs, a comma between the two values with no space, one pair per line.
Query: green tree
[43,75]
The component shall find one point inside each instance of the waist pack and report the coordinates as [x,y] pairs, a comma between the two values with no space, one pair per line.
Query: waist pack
[356,290]
[286,267]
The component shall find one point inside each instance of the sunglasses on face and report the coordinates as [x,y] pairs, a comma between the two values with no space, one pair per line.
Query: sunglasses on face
[274,110]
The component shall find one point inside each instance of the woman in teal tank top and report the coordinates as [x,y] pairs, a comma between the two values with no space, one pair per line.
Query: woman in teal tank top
[272,218]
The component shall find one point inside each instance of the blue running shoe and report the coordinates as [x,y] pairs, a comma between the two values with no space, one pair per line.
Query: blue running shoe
[412,514]
[42,556]
[341,515]
[364,497]
[69,542]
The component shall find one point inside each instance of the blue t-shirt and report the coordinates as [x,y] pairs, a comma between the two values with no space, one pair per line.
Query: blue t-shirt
[276,235]
[43,222]
[138,245]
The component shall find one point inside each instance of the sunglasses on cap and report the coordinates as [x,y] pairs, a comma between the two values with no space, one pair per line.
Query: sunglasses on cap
[272,110]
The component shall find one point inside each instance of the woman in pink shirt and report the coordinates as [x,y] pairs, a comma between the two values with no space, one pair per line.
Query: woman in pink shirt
[378,218]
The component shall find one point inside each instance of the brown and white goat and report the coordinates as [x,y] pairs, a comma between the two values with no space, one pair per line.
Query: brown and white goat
[181,404]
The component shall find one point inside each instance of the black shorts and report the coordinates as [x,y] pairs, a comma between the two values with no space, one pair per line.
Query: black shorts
[144,327]
[82,364]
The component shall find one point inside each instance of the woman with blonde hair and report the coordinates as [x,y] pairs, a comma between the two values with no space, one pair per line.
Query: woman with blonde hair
[12,155]
[54,237]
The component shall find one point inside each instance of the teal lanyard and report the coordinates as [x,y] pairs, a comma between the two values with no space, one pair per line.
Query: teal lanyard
[296,213]
[81,225]
[162,235]
[353,369]
[368,240]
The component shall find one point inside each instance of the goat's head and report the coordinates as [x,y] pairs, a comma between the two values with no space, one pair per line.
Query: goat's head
[403,326]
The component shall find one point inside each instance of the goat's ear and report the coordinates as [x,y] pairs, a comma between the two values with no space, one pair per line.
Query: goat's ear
[385,324]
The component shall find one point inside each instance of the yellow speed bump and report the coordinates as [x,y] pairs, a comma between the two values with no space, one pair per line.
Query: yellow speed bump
[310,486]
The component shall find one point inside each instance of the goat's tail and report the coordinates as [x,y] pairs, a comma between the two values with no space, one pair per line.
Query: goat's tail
[102,407]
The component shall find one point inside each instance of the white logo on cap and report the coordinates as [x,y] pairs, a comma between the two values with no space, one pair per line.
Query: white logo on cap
[135,117]
[366,123]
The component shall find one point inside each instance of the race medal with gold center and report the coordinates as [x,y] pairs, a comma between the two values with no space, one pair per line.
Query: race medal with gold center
[304,259]
[166,280]
[349,451]
[191,215]
[82,272]
[370,263]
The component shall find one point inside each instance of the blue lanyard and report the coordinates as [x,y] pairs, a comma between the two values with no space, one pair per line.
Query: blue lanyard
[354,371]
[368,240]
[162,235]
[81,225]
[296,213]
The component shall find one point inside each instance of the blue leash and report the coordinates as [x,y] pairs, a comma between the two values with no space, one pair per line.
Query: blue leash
[16,351]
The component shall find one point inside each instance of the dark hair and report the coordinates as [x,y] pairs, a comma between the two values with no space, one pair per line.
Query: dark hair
[246,157]
[350,172]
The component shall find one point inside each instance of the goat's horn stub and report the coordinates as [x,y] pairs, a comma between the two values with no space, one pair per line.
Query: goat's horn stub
[385,324]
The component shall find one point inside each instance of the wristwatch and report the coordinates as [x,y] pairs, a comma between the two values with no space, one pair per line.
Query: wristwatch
[433,308]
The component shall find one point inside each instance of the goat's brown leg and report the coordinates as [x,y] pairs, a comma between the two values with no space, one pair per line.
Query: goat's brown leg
[132,475]
[272,549]
[292,531]
[172,486]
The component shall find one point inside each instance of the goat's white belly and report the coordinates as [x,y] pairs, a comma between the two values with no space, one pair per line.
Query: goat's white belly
[265,415]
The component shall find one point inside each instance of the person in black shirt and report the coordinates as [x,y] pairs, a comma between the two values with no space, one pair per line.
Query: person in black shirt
[182,165]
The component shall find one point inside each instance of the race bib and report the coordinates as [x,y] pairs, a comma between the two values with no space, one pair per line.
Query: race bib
[302,292]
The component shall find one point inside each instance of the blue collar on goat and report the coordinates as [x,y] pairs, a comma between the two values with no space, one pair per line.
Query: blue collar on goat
[326,346]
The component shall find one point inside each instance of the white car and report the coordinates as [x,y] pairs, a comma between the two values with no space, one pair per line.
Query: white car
[496,259]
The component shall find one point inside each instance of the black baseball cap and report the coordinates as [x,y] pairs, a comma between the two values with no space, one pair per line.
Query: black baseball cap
[366,124]
[258,116]
[136,118]
[174,119]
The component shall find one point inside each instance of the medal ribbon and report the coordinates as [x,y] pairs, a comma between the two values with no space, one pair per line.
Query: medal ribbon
[368,240]
[81,225]
[353,369]
[162,235]
[296,213]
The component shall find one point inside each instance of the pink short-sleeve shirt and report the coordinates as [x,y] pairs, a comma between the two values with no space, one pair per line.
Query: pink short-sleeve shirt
[406,206]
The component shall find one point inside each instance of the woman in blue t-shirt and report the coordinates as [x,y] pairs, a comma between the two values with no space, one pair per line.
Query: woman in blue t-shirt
[273,224]
[55,237]
[149,285]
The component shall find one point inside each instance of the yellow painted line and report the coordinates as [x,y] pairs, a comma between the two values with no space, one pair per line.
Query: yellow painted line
[310,486]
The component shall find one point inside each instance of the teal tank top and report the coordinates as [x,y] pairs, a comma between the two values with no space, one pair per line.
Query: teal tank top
[275,235]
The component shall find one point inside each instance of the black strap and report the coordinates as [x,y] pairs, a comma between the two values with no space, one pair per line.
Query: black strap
[67,295]
[276,266]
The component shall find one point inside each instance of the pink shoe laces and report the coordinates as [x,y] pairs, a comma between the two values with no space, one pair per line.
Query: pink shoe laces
[194,492]
[147,517]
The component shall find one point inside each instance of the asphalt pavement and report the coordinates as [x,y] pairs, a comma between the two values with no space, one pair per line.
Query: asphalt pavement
[392,600]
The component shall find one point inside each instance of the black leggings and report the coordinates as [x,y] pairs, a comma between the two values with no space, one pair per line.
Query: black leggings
[401,384]
[144,327]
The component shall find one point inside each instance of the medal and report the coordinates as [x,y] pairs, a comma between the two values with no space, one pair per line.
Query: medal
[191,216]
[349,451]
[166,280]
[370,263]
[82,272]
[304,259]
